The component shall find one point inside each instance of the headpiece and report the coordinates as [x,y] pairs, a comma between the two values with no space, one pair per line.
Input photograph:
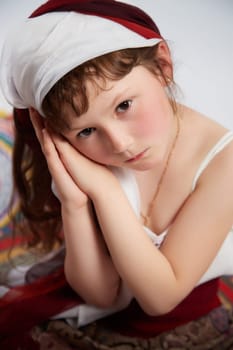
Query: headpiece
[62,34]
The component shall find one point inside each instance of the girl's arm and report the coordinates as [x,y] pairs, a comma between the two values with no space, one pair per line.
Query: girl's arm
[88,265]
[160,279]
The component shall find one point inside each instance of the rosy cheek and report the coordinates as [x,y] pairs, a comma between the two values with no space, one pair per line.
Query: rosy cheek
[95,153]
[147,125]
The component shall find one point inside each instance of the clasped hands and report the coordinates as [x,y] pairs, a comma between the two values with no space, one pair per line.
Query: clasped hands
[76,177]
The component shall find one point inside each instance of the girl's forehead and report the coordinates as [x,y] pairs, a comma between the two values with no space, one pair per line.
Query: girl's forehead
[97,85]
[105,94]
[102,90]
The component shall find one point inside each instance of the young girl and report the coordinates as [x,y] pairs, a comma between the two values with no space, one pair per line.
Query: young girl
[144,183]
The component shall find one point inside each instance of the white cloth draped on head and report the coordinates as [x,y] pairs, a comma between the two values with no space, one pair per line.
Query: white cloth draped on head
[43,49]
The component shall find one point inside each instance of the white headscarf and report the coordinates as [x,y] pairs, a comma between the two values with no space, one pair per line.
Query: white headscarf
[43,49]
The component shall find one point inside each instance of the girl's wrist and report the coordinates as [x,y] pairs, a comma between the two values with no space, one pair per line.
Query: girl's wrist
[76,209]
[99,193]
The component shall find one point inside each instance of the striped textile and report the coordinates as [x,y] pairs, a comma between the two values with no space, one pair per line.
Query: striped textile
[6,186]
[226,290]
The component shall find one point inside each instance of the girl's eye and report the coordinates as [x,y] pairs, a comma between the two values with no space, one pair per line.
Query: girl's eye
[124,106]
[86,132]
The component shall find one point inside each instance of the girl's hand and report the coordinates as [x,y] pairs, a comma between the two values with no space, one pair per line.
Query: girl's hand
[68,191]
[91,177]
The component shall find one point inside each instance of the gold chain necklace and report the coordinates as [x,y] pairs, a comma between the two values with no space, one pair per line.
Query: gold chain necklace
[147,216]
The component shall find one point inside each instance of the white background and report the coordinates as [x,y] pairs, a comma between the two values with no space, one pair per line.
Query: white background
[200,35]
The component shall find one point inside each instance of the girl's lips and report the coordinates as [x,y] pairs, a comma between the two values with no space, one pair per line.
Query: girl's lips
[137,157]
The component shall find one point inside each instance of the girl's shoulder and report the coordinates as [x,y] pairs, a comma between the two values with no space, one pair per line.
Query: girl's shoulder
[204,131]
[225,143]
[215,148]
[209,143]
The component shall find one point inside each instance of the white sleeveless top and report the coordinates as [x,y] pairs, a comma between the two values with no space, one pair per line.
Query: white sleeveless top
[218,147]
[223,262]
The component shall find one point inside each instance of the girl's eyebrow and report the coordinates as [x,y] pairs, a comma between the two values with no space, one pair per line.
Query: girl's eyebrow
[74,129]
[70,127]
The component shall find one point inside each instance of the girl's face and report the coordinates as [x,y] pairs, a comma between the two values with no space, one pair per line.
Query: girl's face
[128,124]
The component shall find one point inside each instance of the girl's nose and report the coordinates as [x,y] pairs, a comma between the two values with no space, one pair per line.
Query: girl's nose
[120,140]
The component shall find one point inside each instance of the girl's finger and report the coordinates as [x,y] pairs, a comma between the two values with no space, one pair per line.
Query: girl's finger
[38,124]
[50,152]
[55,165]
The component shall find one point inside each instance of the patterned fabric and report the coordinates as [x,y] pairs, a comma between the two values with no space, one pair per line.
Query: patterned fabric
[214,331]
[5,165]
[6,185]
